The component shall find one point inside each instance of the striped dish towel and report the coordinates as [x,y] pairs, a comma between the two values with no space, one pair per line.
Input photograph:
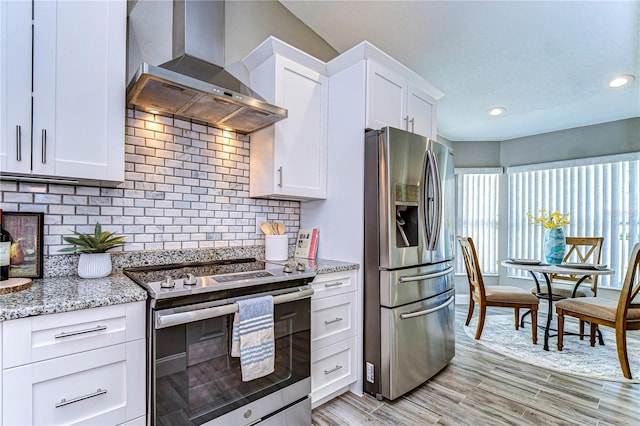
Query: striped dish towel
[252,337]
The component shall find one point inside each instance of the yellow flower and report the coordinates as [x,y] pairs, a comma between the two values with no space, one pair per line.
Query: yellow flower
[551,220]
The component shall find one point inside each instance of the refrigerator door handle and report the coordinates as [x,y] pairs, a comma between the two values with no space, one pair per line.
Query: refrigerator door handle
[427,311]
[424,199]
[425,276]
[437,196]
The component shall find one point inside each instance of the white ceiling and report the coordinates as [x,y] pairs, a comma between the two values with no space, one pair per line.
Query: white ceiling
[547,62]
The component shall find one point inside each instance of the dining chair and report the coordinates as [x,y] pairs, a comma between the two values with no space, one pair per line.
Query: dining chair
[579,250]
[622,315]
[495,296]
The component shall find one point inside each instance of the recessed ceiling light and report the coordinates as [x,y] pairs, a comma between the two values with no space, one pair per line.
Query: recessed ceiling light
[621,80]
[154,111]
[497,111]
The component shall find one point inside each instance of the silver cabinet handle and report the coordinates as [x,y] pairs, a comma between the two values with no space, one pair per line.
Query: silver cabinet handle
[336,284]
[280,176]
[425,276]
[18,143]
[412,121]
[336,368]
[406,121]
[44,146]
[64,402]
[427,311]
[75,333]
[332,321]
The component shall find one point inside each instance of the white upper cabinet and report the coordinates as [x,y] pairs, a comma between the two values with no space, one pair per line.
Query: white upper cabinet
[289,159]
[75,128]
[387,101]
[421,112]
[394,101]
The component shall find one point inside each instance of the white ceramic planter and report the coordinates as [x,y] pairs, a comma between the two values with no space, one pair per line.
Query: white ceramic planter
[94,265]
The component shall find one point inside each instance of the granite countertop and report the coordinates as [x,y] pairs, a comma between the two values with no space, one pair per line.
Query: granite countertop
[324,266]
[63,294]
[70,293]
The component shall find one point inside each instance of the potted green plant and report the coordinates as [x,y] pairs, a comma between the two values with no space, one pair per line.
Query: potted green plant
[94,260]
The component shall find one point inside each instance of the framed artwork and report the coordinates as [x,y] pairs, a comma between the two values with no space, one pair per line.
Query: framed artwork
[26,231]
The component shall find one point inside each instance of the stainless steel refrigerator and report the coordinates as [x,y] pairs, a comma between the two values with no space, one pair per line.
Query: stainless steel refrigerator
[409,216]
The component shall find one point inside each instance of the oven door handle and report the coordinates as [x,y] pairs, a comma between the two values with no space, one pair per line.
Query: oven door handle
[169,320]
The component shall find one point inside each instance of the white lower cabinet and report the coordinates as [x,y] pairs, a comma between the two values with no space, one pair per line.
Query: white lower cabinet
[80,367]
[333,335]
[140,421]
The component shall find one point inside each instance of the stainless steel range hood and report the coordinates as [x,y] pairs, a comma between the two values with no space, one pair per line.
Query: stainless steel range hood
[192,85]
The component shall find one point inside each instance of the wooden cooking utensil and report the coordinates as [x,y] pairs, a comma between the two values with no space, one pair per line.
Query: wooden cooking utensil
[280,228]
[266,228]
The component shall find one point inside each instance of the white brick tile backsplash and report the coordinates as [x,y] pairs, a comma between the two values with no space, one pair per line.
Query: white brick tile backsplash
[15,197]
[186,187]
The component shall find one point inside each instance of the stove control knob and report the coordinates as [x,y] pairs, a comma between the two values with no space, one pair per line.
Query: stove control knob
[300,267]
[287,268]
[190,279]
[167,282]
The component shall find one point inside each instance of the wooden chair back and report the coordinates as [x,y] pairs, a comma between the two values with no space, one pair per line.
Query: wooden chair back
[630,289]
[476,283]
[582,250]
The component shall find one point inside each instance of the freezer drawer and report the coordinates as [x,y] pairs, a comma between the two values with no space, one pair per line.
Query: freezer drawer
[402,286]
[417,341]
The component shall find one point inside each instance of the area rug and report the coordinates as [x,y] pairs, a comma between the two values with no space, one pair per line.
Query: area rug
[577,357]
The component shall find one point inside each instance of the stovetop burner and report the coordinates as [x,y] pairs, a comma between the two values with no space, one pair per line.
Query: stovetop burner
[188,279]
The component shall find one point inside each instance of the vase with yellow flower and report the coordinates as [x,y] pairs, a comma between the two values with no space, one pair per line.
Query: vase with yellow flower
[554,242]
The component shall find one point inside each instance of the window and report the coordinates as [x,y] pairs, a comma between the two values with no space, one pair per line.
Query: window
[477,201]
[601,196]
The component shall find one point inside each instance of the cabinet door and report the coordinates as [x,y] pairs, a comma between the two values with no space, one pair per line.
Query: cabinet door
[300,152]
[79,80]
[44,87]
[421,111]
[15,86]
[89,387]
[387,94]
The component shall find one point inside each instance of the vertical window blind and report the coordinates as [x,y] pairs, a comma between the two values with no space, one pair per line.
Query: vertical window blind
[477,201]
[602,200]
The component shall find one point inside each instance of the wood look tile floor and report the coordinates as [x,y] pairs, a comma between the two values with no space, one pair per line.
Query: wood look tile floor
[481,387]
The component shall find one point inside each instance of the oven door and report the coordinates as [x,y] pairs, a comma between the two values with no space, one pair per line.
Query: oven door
[194,380]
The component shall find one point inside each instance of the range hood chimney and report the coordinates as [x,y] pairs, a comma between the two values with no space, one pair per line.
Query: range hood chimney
[192,85]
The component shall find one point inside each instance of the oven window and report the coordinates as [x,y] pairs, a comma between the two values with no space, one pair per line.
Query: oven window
[197,380]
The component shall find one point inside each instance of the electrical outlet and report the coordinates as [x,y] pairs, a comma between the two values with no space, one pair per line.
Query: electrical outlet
[259,220]
[370,372]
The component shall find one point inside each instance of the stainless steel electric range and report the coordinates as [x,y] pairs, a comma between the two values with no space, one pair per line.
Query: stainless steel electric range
[192,379]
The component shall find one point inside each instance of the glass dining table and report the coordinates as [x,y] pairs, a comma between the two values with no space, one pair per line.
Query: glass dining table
[583,271]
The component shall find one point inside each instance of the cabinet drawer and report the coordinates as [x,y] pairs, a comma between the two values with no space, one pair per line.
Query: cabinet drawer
[332,368]
[44,337]
[325,285]
[332,319]
[89,387]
